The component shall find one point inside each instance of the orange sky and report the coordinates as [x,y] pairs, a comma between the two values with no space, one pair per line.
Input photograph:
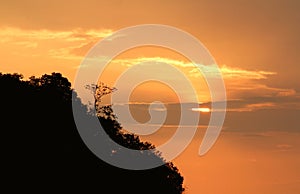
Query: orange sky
[255,43]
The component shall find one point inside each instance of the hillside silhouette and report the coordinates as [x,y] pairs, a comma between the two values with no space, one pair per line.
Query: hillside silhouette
[42,149]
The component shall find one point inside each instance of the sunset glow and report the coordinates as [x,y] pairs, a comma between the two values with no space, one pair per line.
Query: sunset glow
[255,44]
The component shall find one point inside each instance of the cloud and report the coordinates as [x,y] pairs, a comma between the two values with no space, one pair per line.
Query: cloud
[82,49]
[258,119]
[237,73]
[248,86]
[26,44]
[227,72]
[284,147]
[240,83]
[248,106]
[72,44]
[253,104]
[13,34]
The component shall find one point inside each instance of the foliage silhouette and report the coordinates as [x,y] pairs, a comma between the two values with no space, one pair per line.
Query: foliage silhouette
[42,150]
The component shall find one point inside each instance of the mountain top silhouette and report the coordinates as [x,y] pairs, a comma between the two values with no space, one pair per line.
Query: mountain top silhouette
[43,151]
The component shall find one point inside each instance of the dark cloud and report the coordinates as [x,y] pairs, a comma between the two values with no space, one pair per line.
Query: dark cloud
[257,121]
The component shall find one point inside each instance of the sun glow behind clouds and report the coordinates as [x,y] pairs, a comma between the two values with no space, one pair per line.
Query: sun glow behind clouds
[201,109]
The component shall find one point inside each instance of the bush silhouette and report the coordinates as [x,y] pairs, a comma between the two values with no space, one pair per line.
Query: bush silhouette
[44,152]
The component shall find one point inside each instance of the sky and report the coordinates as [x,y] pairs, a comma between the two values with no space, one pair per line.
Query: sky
[255,44]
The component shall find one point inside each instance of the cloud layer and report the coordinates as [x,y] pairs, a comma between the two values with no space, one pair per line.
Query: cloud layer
[248,87]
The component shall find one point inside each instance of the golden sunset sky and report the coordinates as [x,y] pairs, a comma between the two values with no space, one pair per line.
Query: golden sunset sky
[255,43]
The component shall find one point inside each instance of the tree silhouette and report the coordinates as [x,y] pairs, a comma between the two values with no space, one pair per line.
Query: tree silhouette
[43,150]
